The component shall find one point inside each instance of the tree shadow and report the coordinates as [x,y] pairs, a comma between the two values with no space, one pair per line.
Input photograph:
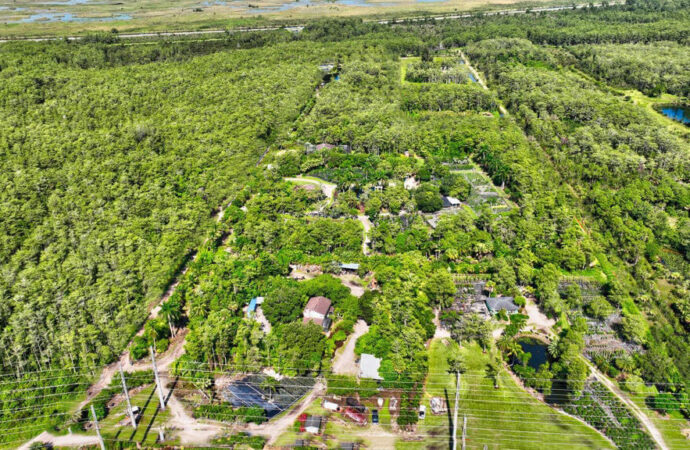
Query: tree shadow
[450,418]
[143,409]
[170,391]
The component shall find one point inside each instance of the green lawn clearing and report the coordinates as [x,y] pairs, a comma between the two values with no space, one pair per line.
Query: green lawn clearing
[507,417]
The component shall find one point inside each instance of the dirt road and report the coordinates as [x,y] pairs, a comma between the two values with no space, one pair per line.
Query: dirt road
[479,80]
[366,223]
[537,319]
[641,416]
[70,440]
[440,333]
[344,362]
[186,428]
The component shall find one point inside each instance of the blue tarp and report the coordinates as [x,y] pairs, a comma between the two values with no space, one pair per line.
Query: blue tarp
[252,306]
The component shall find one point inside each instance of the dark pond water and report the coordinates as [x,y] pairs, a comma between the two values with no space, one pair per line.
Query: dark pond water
[537,349]
[679,113]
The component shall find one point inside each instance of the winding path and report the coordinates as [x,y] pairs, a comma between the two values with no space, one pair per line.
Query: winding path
[366,223]
[636,410]
[481,82]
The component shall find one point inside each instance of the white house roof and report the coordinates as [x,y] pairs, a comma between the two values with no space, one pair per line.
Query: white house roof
[369,366]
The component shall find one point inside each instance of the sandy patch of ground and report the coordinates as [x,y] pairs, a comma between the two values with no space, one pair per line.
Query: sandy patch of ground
[353,283]
[366,223]
[441,332]
[70,440]
[345,359]
[537,320]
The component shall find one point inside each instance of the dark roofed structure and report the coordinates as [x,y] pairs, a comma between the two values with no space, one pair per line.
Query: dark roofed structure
[313,424]
[495,304]
[317,311]
[320,305]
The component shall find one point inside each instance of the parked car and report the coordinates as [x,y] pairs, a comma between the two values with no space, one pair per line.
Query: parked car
[355,405]
[375,416]
[422,412]
[355,416]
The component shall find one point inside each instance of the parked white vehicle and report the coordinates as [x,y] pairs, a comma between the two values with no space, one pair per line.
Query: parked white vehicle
[330,406]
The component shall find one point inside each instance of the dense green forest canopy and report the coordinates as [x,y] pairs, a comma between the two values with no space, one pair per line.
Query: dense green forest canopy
[120,160]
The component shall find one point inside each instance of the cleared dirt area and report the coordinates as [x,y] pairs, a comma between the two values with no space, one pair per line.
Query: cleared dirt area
[345,359]
[537,319]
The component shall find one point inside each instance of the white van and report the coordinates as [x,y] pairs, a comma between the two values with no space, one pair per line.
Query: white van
[330,406]
[422,412]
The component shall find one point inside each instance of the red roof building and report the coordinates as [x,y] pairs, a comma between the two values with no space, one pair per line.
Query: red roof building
[317,311]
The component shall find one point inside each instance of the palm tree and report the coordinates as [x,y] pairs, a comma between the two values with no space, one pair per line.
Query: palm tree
[508,346]
[269,384]
[171,311]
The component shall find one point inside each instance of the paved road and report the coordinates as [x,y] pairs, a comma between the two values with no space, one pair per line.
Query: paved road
[298,28]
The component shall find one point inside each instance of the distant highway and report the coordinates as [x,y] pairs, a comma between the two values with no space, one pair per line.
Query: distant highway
[298,28]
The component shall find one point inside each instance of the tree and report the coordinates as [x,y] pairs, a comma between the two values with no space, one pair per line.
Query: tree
[284,303]
[440,288]
[493,367]
[666,402]
[269,384]
[634,327]
[428,198]
[172,312]
[599,307]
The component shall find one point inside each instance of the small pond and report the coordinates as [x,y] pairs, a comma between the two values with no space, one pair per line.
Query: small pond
[537,349]
[678,113]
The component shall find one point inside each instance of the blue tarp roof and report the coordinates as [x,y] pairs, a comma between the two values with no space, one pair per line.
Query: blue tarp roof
[252,305]
[350,266]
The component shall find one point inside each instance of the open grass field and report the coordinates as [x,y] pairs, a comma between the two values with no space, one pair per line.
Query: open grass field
[338,430]
[70,17]
[507,417]
[151,419]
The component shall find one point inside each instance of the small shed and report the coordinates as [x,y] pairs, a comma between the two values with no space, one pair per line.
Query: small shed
[450,202]
[438,405]
[313,424]
[369,366]
[350,267]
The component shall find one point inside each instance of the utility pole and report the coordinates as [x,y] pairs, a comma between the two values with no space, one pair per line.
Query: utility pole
[129,404]
[455,412]
[98,431]
[464,429]
[161,397]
